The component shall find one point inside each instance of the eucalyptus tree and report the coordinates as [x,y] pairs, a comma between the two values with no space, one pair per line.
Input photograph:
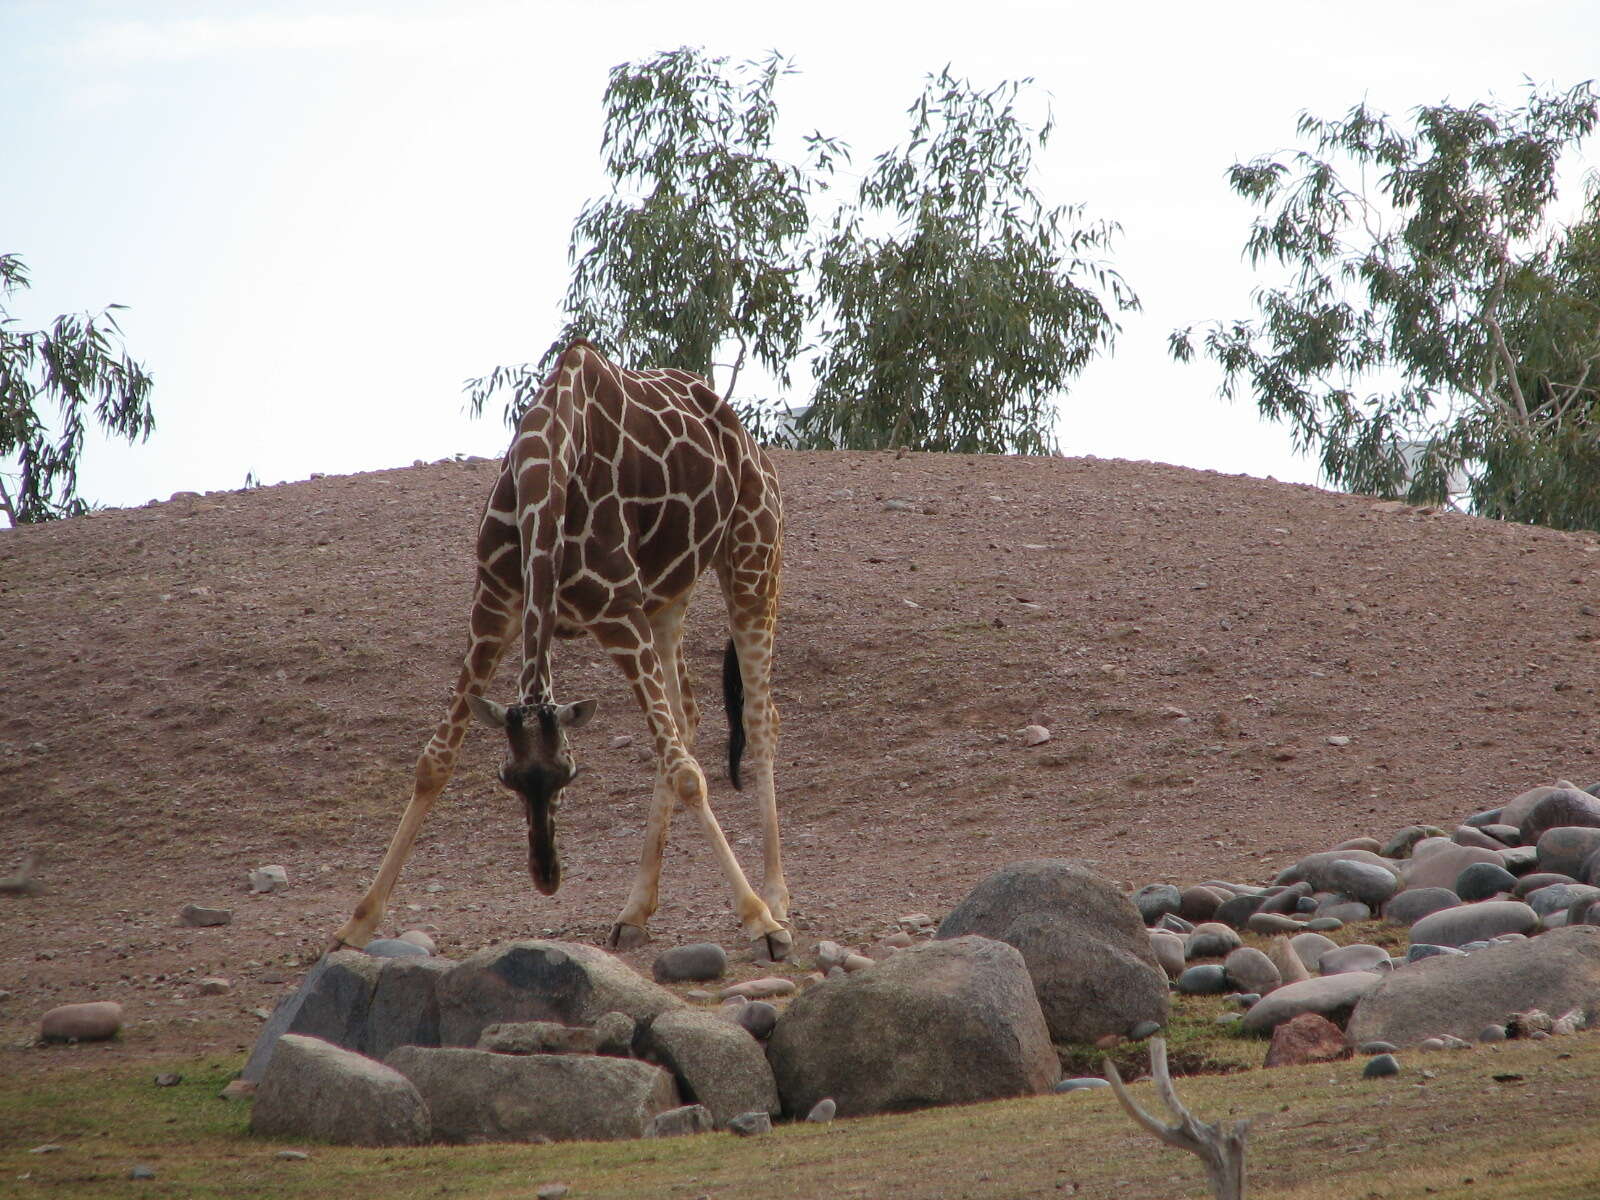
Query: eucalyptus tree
[957,304]
[1435,319]
[698,257]
[52,381]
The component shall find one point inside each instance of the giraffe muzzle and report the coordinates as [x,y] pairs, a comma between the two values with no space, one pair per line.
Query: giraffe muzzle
[544,864]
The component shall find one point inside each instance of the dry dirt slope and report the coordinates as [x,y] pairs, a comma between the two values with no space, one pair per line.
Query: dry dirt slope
[198,687]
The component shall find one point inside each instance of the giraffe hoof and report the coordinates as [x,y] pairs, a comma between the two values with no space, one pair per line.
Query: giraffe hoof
[778,943]
[627,937]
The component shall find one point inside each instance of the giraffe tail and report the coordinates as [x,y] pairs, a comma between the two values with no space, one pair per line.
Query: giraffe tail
[733,700]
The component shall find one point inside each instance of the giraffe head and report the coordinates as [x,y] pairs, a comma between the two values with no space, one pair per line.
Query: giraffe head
[537,766]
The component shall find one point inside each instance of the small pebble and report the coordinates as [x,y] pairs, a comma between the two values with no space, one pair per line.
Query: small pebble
[551,1191]
[1492,1033]
[47,1148]
[1376,1048]
[1144,1029]
[293,1155]
[142,1172]
[169,1079]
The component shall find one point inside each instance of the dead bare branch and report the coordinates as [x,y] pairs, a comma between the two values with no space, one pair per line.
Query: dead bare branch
[1221,1150]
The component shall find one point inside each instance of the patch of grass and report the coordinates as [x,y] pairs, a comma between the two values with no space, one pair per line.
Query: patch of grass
[1443,1128]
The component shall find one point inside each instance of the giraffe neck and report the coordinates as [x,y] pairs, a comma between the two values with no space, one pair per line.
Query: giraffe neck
[545,456]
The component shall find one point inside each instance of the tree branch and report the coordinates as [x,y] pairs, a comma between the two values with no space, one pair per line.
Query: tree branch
[1221,1150]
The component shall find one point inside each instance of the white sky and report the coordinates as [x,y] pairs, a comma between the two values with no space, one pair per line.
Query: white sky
[324,217]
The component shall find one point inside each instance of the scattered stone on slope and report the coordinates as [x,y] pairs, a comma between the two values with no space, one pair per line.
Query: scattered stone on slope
[1475,922]
[1331,996]
[715,1062]
[697,962]
[92,1021]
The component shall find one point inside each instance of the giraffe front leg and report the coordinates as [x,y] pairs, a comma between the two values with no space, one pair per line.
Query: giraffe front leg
[756,918]
[630,930]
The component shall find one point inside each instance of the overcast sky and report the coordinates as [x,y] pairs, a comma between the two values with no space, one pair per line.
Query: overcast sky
[324,217]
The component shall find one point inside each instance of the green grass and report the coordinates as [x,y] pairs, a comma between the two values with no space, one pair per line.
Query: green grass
[1319,1133]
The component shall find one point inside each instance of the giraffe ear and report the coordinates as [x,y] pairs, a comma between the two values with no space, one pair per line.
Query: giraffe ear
[487,711]
[573,715]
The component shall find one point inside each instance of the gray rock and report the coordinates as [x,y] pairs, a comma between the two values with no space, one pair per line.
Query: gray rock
[1144,1029]
[1488,816]
[1399,846]
[420,939]
[1203,979]
[269,879]
[93,1021]
[1087,1083]
[822,1112]
[1284,899]
[313,1089]
[1156,900]
[333,1003]
[750,1124]
[1565,848]
[715,1062]
[1560,896]
[1367,882]
[1558,971]
[1084,944]
[1519,860]
[694,963]
[538,1037]
[680,1122]
[1176,924]
[1381,1066]
[1251,971]
[405,1005]
[542,981]
[477,1096]
[1492,1033]
[758,1019]
[1211,940]
[1483,881]
[1515,812]
[1563,806]
[1357,957]
[1440,865]
[1199,903]
[1537,880]
[1418,951]
[1467,835]
[614,1034]
[1472,922]
[947,1022]
[1413,904]
[1236,911]
[394,948]
[1506,835]
[1310,947]
[1376,1047]
[199,917]
[1332,996]
[1168,949]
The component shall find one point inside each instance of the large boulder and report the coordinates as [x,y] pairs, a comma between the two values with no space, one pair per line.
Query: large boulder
[1083,941]
[332,1003]
[1460,995]
[314,1089]
[946,1022]
[478,1096]
[542,981]
[405,1005]
[716,1062]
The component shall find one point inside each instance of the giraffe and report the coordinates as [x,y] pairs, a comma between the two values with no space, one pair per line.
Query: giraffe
[619,490]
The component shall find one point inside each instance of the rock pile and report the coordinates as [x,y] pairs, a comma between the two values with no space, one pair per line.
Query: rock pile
[1502,915]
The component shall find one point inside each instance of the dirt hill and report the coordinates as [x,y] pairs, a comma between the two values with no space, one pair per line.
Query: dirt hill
[199,687]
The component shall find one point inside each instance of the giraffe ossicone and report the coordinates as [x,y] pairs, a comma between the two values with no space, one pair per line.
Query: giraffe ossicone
[619,491]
